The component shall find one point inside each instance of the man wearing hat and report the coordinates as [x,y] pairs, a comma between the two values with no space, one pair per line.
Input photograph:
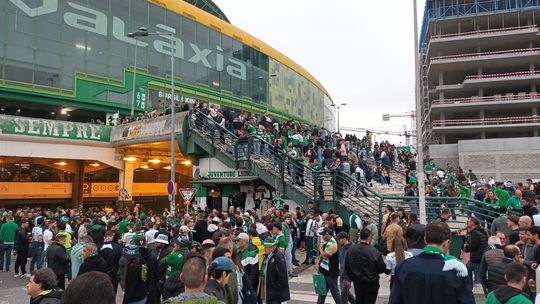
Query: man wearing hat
[328,264]
[274,283]
[111,252]
[175,260]
[249,257]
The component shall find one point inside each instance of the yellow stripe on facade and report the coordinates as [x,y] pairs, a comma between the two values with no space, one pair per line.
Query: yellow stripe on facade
[200,16]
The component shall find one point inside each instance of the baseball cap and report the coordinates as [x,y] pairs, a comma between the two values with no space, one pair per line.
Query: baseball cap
[216,219]
[208,241]
[223,263]
[182,241]
[269,242]
[242,236]
[327,231]
[162,238]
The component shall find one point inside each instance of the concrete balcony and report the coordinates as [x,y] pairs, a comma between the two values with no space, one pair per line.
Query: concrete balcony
[495,102]
[479,124]
[485,38]
[498,59]
[475,82]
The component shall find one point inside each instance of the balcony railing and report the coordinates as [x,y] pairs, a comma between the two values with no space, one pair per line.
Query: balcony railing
[485,32]
[486,121]
[509,96]
[503,75]
[486,54]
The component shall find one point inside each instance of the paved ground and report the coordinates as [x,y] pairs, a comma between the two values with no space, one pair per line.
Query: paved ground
[13,290]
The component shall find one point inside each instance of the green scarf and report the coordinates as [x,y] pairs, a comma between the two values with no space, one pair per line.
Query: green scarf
[450,262]
[325,263]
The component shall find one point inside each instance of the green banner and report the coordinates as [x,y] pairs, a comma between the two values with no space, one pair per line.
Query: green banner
[16,125]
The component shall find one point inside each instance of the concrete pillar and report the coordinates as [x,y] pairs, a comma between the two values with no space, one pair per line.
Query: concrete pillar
[441,78]
[480,92]
[126,182]
[480,71]
[531,67]
[535,113]
[77,180]
[482,115]
[531,44]
[443,139]
[533,88]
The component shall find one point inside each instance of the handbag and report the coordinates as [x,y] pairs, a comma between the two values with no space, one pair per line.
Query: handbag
[319,284]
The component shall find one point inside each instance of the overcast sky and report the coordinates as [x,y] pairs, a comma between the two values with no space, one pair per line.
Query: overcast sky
[361,51]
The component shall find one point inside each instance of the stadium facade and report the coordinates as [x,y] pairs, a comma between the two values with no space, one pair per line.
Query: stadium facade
[66,63]
[480,80]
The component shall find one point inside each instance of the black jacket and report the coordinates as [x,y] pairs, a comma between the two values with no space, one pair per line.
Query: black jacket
[53,297]
[530,210]
[112,253]
[21,240]
[477,245]
[214,289]
[135,286]
[364,263]
[277,279]
[97,233]
[495,274]
[251,269]
[93,263]
[421,280]
[201,228]
[57,259]
[414,234]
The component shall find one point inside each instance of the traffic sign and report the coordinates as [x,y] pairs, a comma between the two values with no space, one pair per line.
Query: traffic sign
[188,194]
[170,187]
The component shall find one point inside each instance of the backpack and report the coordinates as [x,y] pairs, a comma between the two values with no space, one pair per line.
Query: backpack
[248,294]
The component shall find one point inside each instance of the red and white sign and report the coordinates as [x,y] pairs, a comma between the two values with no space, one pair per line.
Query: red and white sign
[188,194]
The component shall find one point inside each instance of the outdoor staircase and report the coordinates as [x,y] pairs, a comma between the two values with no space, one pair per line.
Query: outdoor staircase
[202,138]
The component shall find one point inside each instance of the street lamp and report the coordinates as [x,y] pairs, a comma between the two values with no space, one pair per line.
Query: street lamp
[143,32]
[419,133]
[337,107]
[267,90]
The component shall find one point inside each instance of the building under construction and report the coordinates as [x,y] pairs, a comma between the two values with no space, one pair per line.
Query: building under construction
[480,81]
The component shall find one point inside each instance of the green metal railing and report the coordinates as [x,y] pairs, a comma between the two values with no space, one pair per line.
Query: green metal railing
[335,189]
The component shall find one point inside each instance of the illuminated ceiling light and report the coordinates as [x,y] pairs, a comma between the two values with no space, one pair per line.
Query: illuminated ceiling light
[144,167]
[83,47]
[186,162]
[64,111]
[62,163]
[130,158]
[167,168]
[154,161]
[95,165]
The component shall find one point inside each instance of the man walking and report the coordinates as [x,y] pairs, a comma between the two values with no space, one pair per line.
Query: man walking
[7,233]
[274,283]
[328,264]
[363,264]
[432,276]
[344,281]
[58,260]
[355,222]
[22,247]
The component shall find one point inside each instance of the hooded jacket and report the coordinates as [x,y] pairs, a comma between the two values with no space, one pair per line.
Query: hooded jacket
[21,240]
[97,234]
[507,295]
[57,259]
[48,297]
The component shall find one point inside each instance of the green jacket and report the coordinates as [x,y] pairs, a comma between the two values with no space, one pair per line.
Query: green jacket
[7,232]
[514,202]
[504,296]
[503,196]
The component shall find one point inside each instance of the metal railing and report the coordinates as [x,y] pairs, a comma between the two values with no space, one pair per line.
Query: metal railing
[501,97]
[485,54]
[503,75]
[486,121]
[485,32]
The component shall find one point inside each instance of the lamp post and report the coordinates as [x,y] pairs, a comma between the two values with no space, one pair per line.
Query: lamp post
[143,32]
[337,107]
[267,90]
[419,133]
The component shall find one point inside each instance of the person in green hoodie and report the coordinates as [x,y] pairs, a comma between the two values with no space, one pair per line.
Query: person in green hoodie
[7,233]
[512,292]
[502,194]
[515,200]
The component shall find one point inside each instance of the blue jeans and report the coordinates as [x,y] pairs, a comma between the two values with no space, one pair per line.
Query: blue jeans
[257,148]
[139,302]
[288,256]
[292,171]
[319,154]
[309,248]
[8,248]
[36,253]
[332,285]
[474,267]
[294,247]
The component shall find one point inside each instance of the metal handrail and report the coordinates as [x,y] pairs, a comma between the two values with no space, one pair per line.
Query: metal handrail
[487,121]
[495,53]
[481,32]
[487,98]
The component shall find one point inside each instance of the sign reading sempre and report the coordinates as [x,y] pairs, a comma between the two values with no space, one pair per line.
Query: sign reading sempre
[16,125]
